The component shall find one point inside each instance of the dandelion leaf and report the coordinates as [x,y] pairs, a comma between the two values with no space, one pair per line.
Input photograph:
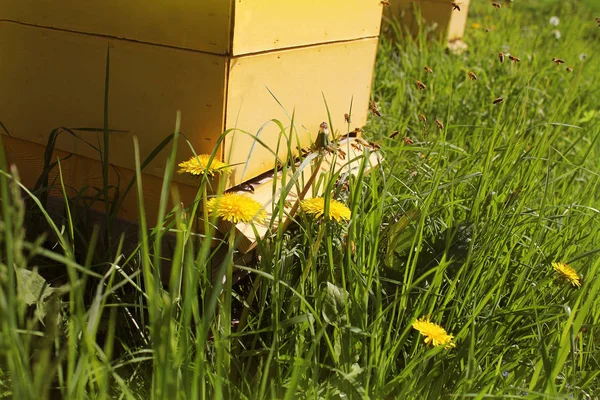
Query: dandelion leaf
[334,304]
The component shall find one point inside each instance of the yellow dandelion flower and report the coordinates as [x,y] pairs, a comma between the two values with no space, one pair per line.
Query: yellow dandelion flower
[316,207]
[476,25]
[567,272]
[199,166]
[234,207]
[433,333]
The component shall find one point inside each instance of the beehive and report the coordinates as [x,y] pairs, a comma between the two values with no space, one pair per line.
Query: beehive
[449,19]
[224,64]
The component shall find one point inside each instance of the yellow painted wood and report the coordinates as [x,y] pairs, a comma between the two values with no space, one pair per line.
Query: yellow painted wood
[82,172]
[450,23]
[52,78]
[206,25]
[193,24]
[299,79]
[262,25]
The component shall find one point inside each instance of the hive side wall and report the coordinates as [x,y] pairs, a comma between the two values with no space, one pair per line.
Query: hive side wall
[53,78]
[191,24]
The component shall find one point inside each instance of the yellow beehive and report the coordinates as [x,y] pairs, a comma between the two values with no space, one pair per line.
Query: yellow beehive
[222,63]
[450,19]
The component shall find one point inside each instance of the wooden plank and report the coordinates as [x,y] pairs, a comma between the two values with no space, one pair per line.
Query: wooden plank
[299,79]
[263,190]
[450,22]
[53,78]
[265,25]
[81,172]
[192,24]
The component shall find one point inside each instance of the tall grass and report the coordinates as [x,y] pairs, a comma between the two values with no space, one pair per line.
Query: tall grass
[461,225]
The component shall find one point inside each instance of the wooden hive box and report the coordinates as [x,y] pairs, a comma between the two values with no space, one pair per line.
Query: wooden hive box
[450,21]
[218,61]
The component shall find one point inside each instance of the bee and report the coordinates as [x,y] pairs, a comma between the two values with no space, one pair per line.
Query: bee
[598,21]
[455,6]
[305,152]
[472,76]
[420,85]
[428,70]
[341,154]
[374,145]
[347,118]
[287,204]
[408,141]
[488,29]
[498,100]
[501,56]
[375,109]
[356,147]
[423,118]
[394,134]
[569,69]
[362,142]
[386,3]
[439,124]
[496,5]
[356,132]
[244,187]
[247,187]
[558,61]
[514,59]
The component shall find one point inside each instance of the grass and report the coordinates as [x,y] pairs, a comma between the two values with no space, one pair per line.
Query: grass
[462,225]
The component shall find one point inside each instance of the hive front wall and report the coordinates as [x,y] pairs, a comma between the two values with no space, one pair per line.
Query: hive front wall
[299,79]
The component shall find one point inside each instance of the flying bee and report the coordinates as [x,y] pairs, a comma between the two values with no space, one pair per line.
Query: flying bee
[347,118]
[514,59]
[305,152]
[420,85]
[428,70]
[498,100]
[375,108]
[356,147]
[488,29]
[423,118]
[374,145]
[386,3]
[501,56]
[394,134]
[496,5]
[408,141]
[439,124]
[569,69]
[455,6]
[362,142]
[558,61]
[341,154]
[472,76]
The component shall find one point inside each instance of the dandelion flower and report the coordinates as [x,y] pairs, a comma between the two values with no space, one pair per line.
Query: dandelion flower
[554,21]
[316,207]
[200,165]
[234,207]
[433,333]
[476,25]
[567,272]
